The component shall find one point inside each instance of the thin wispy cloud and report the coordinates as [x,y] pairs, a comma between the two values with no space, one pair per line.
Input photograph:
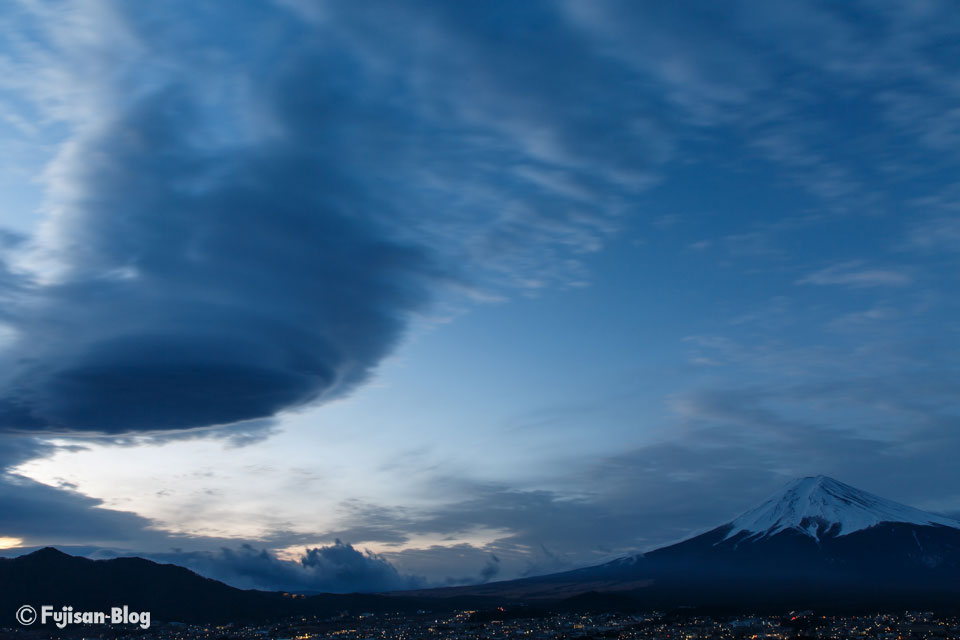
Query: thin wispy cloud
[857,274]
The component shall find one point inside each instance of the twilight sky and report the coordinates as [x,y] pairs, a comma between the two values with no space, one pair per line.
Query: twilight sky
[328,295]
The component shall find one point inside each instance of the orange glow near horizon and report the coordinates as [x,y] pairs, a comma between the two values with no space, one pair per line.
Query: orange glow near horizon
[10,543]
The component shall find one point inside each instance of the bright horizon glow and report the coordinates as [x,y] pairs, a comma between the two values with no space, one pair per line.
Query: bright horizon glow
[10,543]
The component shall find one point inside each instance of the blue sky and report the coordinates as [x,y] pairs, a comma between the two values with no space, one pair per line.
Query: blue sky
[319,295]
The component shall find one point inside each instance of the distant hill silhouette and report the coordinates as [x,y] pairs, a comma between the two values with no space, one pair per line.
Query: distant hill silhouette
[169,592]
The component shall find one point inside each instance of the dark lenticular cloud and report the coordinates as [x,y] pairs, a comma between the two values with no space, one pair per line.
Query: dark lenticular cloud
[243,219]
[195,288]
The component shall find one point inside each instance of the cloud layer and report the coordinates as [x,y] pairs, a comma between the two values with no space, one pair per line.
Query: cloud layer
[236,231]
[197,291]
[336,568]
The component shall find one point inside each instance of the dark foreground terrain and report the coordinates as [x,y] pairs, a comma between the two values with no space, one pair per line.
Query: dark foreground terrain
[172,593]
[534,624]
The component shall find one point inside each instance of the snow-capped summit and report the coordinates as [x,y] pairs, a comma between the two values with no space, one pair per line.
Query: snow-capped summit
[821,505]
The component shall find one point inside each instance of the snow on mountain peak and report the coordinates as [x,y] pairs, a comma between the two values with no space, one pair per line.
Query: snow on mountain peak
[819,504]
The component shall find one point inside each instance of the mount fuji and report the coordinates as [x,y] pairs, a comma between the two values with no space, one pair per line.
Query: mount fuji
[821,506]
[816,543]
